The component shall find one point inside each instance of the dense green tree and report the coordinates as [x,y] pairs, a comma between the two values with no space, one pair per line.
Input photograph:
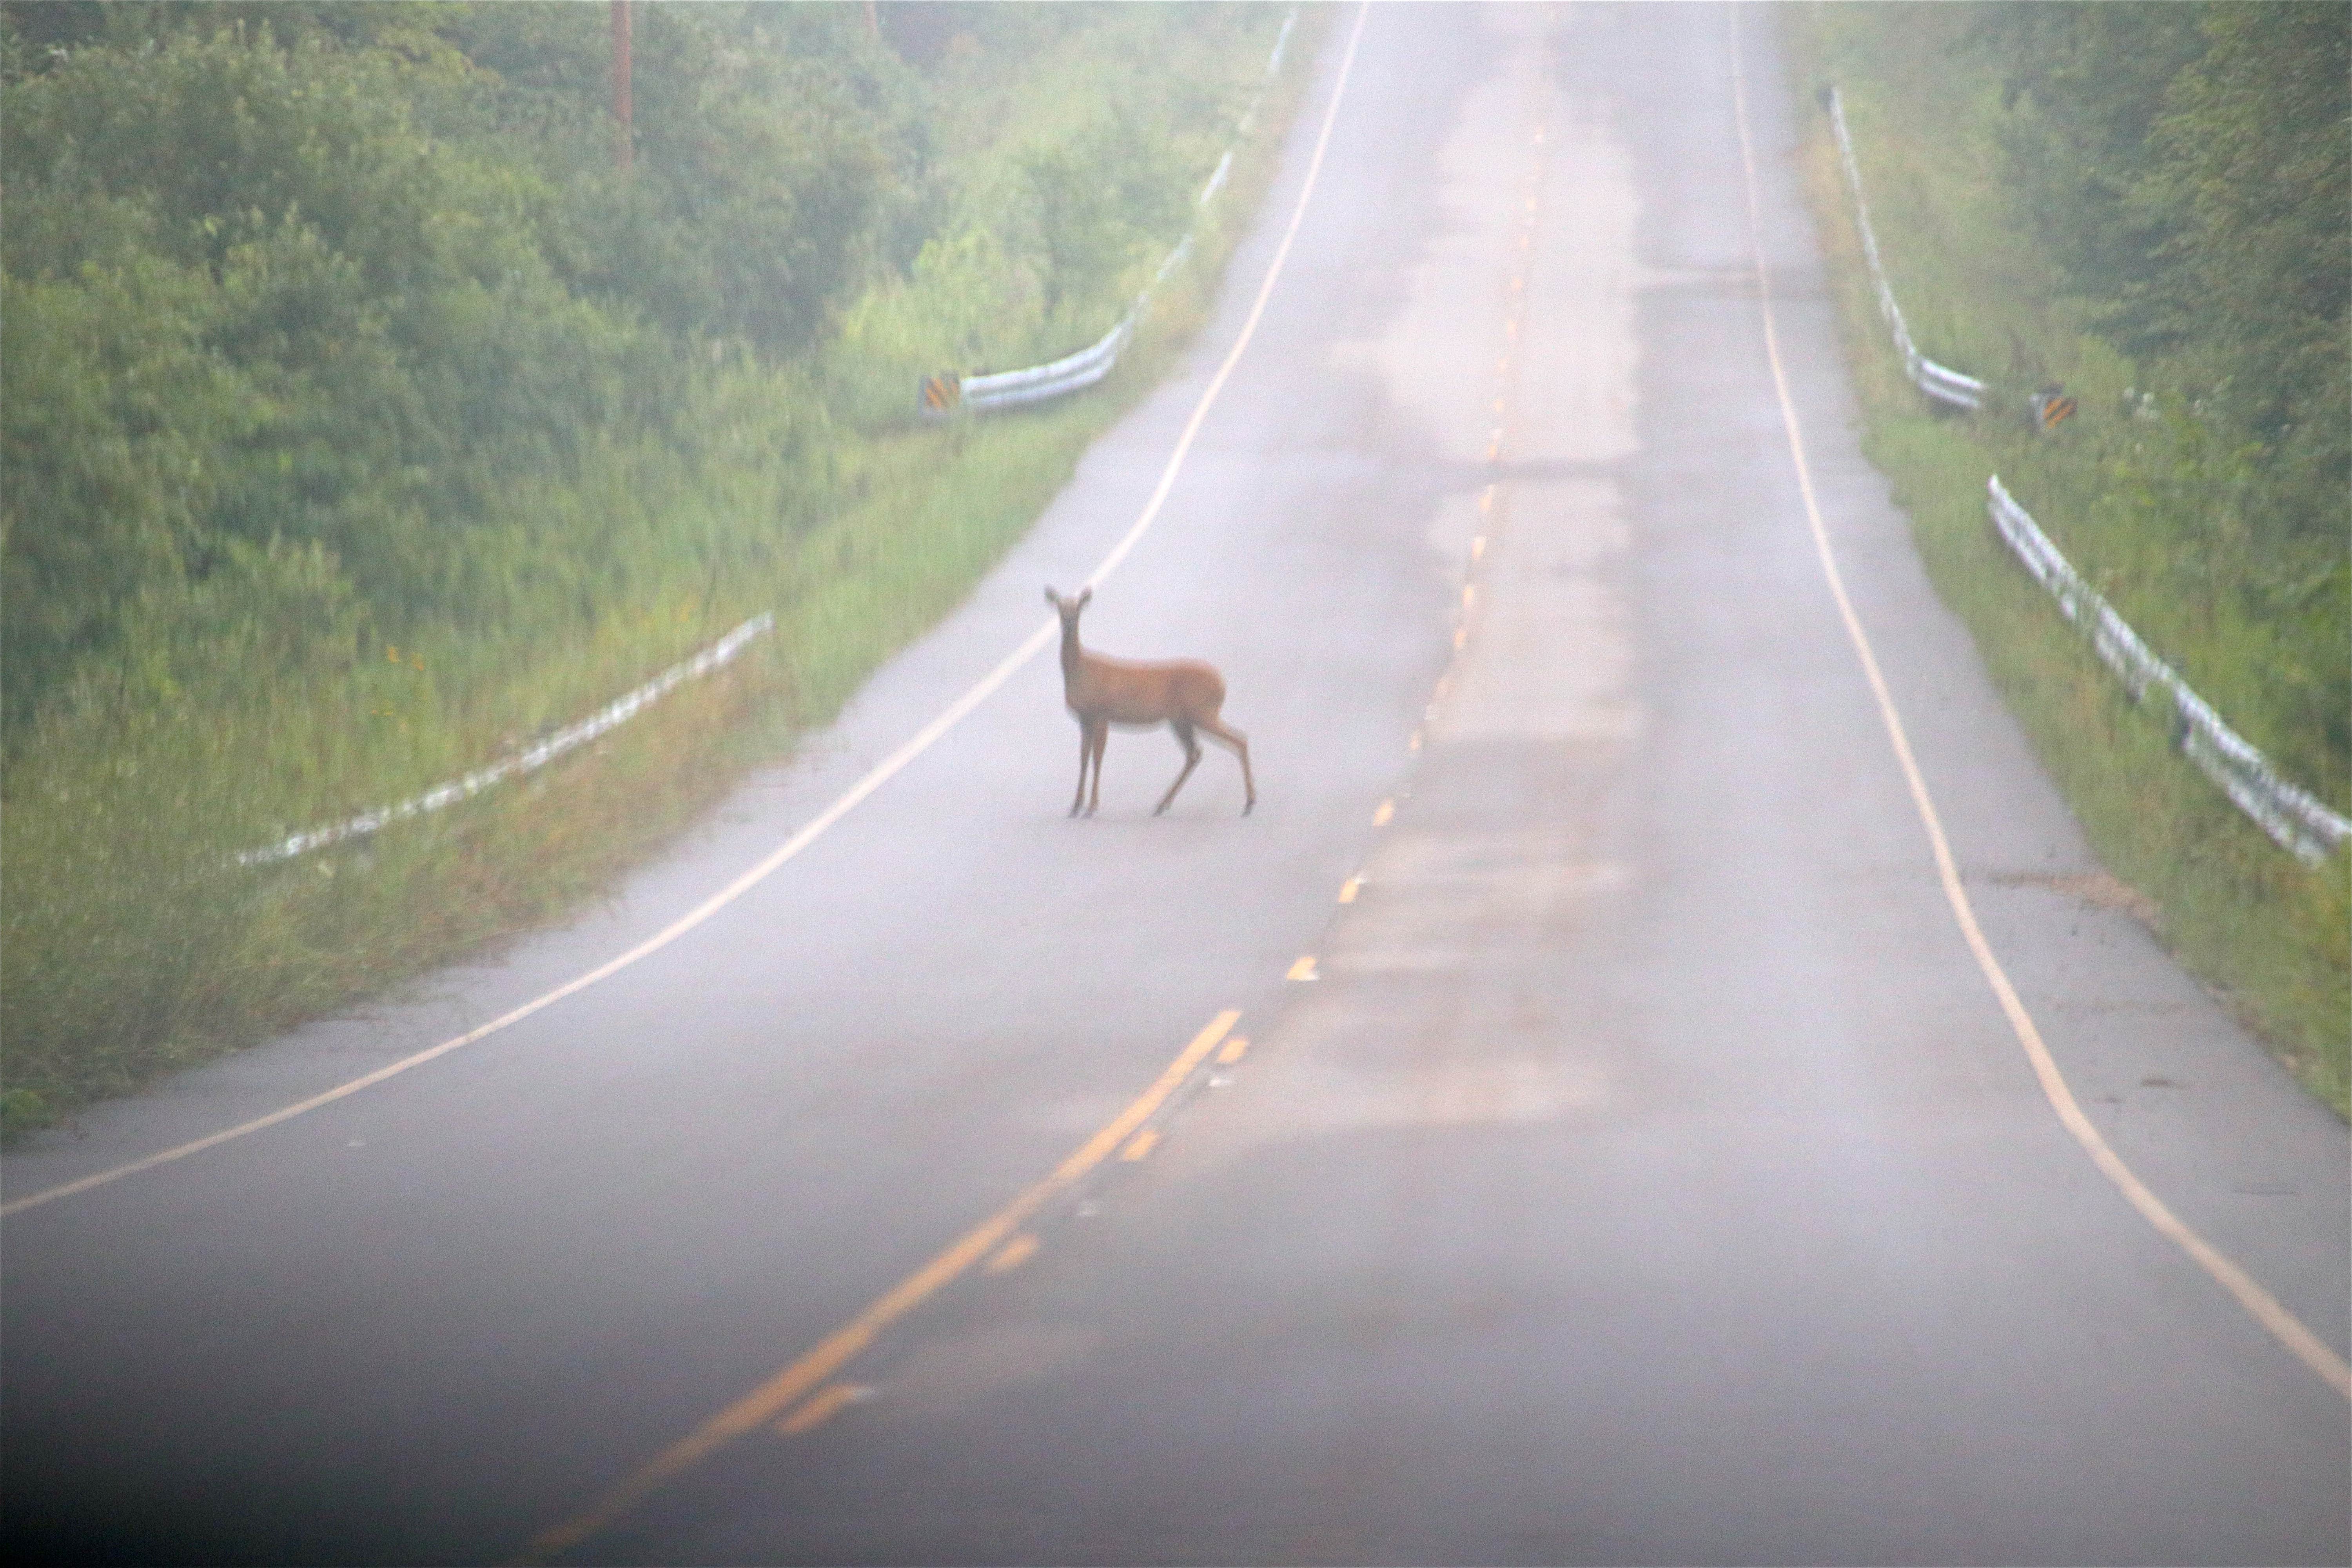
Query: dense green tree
[2084,86]
[2253,158]
[2190,169]
[1104,201]
[286,279]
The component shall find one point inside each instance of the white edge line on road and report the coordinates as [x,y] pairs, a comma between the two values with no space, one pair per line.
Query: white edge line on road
[882,773]
[2259,1303]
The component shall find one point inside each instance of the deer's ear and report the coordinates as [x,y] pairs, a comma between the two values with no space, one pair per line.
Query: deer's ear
[1086,596]
[1053,599]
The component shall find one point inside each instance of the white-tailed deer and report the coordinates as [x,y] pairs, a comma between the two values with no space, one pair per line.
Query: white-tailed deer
[1182,693]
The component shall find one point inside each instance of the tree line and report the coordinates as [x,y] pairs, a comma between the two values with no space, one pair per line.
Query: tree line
[2189,169]
[312,315]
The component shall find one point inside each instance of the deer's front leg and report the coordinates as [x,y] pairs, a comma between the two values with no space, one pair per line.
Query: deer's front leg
[1101,733]
[1086,754]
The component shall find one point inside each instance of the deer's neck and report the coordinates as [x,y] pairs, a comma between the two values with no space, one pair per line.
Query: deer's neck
[1073,656]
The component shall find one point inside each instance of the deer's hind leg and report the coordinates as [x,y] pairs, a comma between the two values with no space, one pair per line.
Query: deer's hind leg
[1233,741]
[1183,729]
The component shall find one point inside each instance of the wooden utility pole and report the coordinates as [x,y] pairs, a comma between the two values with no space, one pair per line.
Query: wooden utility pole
[621,136]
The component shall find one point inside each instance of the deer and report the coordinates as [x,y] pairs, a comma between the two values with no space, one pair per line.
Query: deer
[1182,693]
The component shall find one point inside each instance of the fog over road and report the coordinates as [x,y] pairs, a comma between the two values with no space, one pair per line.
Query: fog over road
[1647,1172]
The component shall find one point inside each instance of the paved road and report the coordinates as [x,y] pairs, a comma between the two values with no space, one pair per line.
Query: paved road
[1647,1175]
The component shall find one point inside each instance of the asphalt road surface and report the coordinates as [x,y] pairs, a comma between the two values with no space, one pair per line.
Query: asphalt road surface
[1629,1161]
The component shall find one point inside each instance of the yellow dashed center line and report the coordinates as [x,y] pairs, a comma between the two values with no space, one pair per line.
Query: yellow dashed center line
[829,1402]
[781,1393]
[998,1241]
[1012,1254]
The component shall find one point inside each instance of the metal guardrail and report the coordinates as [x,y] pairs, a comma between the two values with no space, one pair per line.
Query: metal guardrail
[1940,382]
[618,711]
[949,392]
[1011,388]
[2295,818]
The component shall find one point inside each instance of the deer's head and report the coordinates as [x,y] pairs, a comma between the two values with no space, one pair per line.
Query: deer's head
[1069,608]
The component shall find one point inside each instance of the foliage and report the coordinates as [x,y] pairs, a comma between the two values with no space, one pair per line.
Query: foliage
[2190,170]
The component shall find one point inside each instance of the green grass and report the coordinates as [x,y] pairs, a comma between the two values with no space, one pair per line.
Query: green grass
[131,944]
[2271,937]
